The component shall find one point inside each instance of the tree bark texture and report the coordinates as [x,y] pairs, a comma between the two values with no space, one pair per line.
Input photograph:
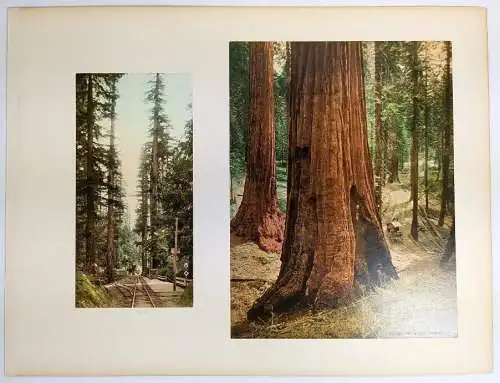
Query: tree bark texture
[333,235]
[259,218]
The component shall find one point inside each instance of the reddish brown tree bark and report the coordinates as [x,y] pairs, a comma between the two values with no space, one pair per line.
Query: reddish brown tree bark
[333,233]
[258,217]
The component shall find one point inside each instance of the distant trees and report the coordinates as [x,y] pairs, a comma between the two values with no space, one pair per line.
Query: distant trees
[333,233]
[447,183]
[379,132]
[415,69]
[98,176]
[239,97]
[160,152]
[165,185]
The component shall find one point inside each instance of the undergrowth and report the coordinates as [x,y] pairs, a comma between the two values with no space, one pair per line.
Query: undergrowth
[88,294]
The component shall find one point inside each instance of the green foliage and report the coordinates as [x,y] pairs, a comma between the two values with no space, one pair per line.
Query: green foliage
[175,188]
[281,115]
[186,298]
[239,94]
[126,251]
[89,295]
[97,160]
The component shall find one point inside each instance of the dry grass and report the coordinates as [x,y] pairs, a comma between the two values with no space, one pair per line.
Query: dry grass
[355,320]
[422,303]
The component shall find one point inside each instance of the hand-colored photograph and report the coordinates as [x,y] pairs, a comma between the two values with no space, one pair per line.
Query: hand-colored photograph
[342,190]
[134,190]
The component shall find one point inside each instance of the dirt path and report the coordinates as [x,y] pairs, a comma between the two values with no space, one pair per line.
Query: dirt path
[422,303]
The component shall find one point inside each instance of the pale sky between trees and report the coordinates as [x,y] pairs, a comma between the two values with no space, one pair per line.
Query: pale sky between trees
[132,122]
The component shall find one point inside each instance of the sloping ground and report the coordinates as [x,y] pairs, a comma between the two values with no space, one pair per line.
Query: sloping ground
[422,303]
[87,294]
[252,272]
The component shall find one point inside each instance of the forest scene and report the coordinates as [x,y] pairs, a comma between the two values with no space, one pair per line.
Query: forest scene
[134,186]
[342,190]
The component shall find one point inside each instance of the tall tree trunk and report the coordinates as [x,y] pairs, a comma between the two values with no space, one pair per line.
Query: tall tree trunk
[144,226]
[379,140]
[91,187]
[334,236]
[414,141]
[447,101]
[394,155]
[154,185]
[110,218]
[258,217]
[232,195]
[449,251]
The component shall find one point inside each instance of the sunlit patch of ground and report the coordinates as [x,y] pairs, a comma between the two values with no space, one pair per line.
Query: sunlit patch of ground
[422,303]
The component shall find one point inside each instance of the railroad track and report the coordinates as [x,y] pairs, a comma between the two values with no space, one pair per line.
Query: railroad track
[141,292]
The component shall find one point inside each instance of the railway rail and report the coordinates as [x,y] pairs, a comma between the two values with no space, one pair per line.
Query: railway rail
[140,290]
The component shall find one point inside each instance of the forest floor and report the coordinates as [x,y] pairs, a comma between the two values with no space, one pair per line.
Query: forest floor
[422,303]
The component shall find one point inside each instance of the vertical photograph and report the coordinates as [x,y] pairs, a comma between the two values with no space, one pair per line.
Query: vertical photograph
[134,190]
[342,190]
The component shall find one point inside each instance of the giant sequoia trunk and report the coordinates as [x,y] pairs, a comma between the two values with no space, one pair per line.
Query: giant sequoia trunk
[258,217]
[91,187]
[333,233]
[379,139]
[448,101]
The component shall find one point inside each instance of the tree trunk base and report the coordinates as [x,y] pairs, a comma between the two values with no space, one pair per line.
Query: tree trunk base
[267,232]
[291,292]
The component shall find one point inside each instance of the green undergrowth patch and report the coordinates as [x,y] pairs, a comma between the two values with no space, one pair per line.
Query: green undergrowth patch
[88,294]
[186,299]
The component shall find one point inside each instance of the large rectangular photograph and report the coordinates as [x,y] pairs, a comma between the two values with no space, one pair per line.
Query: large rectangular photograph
[134,185]
[342,190]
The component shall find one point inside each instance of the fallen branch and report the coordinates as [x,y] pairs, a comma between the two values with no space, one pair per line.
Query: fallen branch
[251,280]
